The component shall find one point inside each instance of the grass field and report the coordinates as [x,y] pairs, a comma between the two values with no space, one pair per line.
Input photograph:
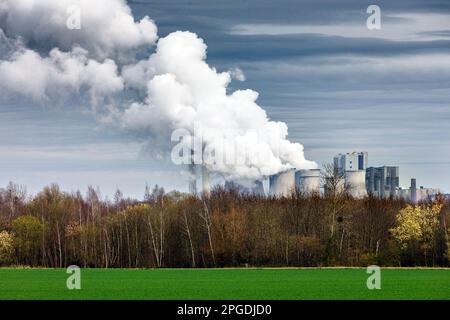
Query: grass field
[185,284]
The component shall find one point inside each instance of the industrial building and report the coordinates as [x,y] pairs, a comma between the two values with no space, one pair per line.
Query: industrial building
[282,184]
[383,181]
[352,166]
[416,195]
[308,181]
[358,180]
[355,183]
[355,161]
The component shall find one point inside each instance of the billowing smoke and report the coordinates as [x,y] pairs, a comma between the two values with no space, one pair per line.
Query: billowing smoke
[46,78]
[45,60]
[171,88]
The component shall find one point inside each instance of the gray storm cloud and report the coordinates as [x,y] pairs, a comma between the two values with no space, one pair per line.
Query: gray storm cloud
[171,88]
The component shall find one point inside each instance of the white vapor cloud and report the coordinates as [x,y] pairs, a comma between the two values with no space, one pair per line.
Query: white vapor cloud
[172,88]
[183,91]
[58,73]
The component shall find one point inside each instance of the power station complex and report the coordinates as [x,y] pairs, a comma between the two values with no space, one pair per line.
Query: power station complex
[349,171]
[351,174]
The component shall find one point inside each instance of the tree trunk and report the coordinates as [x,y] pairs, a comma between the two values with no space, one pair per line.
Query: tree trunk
[186,224]
[59,244]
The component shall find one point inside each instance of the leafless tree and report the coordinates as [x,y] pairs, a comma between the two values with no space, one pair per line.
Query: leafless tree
[335,190]
[206,217]
[187,230]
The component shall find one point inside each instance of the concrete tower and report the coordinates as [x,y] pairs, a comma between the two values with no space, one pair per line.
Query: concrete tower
[308,181]
[192,179]
[383,181]
[206,181]
[282,184]
[353,167]
[413,191]
[355,183]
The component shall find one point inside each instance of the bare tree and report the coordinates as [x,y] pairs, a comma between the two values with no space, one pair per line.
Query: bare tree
[206,217]
[157,198]
[187,230]
[226,229]
[13,197]
[335,191]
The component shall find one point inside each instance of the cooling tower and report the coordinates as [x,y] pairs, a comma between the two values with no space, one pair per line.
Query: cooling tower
[308,181]
[282,184]
[355,182]
[258,189]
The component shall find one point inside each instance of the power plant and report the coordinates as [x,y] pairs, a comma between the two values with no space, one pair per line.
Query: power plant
[416,195]
[358,180]
[383,181]
[352,166]
[306,181]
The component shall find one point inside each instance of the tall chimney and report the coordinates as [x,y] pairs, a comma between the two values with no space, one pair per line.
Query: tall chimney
[413,191]
[205,181]
[192,179]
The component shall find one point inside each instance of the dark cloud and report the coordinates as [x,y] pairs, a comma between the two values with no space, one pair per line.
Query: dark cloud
[281,11]
[213,20]
[254,48]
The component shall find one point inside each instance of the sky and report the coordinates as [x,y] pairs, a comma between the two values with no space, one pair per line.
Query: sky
[337,85]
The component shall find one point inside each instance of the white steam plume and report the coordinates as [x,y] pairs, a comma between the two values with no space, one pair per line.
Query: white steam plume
[178,89]
[184,92]
[28,74]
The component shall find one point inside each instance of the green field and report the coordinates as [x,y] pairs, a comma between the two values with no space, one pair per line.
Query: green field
[187,284]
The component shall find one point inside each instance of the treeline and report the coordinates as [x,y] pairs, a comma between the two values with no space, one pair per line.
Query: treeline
[225,229]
